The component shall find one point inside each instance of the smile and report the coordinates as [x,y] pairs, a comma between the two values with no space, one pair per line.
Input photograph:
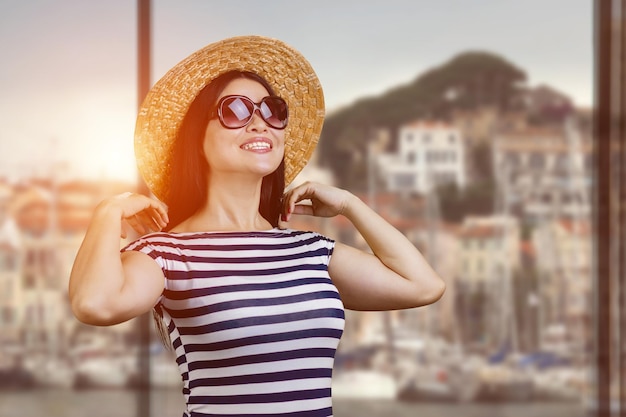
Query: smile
[256,146]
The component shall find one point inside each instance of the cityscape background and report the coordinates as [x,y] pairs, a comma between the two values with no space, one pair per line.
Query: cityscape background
[467,128]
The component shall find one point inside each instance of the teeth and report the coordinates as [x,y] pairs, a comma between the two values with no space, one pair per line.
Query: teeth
[255,146]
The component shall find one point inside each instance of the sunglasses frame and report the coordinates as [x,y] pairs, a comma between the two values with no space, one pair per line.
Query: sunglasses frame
[256,106]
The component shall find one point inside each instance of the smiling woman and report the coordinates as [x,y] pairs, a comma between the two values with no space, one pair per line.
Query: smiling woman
[252,309]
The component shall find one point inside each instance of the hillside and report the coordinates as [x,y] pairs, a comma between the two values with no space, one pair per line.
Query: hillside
[466,81]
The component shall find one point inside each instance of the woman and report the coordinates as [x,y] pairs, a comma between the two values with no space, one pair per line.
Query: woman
[254,311]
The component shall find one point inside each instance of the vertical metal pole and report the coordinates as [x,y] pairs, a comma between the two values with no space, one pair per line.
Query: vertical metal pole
[621,210]
[602,223]
[143,321]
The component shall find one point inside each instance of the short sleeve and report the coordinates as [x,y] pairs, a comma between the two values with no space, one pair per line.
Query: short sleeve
[144,245]
[330,245]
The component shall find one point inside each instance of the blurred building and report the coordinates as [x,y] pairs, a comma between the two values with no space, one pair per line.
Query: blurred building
[489,252]
[10,273]
[429,154]
[564,260]
[42,224]
[546,172]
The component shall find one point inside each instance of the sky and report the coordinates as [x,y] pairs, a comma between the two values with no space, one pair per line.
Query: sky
[68,78]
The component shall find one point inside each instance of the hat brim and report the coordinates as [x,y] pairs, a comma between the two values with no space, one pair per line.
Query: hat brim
[285,69]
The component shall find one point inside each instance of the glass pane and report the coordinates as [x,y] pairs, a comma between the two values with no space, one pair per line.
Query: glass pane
[467,129]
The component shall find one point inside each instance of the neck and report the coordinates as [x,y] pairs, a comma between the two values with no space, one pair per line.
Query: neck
[232,205]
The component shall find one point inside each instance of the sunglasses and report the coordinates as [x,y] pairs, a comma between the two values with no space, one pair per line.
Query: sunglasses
[237,111]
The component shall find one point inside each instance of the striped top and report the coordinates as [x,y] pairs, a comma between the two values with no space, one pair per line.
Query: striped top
[253,317]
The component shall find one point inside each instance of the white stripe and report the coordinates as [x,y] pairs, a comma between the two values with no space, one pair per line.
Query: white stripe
[214,282]
[262,368]
[271,409]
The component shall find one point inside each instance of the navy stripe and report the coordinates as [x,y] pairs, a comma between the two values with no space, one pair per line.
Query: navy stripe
[260,321]
[180,275]
[266,338]
[246,260]
[201,292]
[252,302]
[261,398]
[263,358]
[260,378]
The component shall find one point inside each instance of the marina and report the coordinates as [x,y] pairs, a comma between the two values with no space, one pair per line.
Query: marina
[168,403]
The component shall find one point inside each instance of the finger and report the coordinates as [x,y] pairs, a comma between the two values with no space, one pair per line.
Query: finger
[163,217]
[124,230]
[304,209]
[155,219]
[137,224]
[299,193]
[146,219]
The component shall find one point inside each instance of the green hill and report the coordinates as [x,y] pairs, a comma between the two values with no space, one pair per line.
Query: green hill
[466,81]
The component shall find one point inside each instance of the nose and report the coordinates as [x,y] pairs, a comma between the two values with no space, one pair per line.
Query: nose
[257,123]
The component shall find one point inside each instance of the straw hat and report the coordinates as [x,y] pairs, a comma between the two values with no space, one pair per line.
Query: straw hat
[284,68]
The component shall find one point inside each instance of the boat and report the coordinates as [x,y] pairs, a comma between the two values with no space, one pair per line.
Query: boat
[357,374]
[51,372]
[101,372]
[559,384]
[504,383]
[363,384]
[13,374]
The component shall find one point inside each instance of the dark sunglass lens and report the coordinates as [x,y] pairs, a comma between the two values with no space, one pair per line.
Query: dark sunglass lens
[274,112]
[236,111]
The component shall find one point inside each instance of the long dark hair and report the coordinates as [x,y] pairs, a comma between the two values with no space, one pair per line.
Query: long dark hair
[189,169]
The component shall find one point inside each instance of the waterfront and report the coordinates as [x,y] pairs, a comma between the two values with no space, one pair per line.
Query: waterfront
[168,403]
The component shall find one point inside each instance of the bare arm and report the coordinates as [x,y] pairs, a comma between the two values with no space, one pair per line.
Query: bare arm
[107,287]
[395,276]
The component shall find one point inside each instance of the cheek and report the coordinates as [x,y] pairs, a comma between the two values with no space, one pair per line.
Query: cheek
[210,150]
[280,140]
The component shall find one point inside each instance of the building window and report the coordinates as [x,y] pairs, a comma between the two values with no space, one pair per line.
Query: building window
[7,315]
[29,281]
[546,198]
[30,258]
[411,158]
[404,181]
[561,162]
[566,198]
[536,160]
[451,138]
[512,159]
[426,138]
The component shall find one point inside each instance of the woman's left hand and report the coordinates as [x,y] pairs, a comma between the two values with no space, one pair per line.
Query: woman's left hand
[326,201]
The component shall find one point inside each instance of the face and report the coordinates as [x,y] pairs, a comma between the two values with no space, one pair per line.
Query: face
[254,150]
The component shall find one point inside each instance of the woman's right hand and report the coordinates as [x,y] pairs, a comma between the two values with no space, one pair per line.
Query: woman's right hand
[137,212]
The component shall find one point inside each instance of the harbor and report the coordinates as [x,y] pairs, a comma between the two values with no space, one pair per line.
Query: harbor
[168,403]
